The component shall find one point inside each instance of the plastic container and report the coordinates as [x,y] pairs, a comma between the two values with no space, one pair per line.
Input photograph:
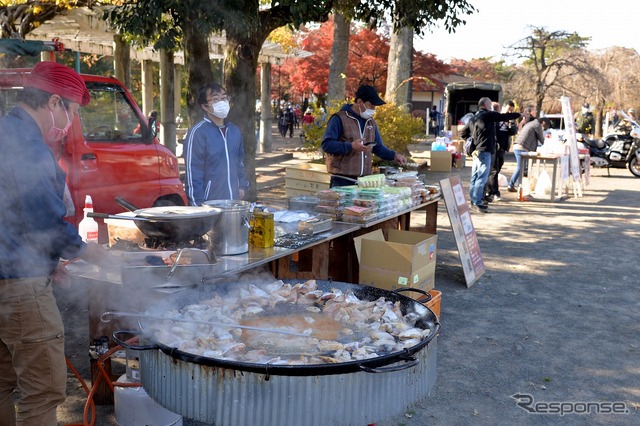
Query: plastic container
[88,227]
[133,407]
[432,302]
[303,203]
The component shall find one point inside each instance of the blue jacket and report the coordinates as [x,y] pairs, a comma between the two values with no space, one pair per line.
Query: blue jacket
[33,234]
[214,163]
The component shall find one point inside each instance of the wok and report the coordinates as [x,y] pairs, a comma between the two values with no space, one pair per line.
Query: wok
[427,320]
[171,223]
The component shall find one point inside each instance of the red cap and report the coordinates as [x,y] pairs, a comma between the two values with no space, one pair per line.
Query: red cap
[60,80]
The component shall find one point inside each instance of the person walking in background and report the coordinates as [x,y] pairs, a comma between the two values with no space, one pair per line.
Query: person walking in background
[322,117]
[297,114]
[282,123]
[527,140]
[435,120]
[352,137]
[307,118]
[290,119]
[482,129]
[504,131]
[34,238]
[214,153]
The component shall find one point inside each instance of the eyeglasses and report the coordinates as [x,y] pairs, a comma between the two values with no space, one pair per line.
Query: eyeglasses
[218,98]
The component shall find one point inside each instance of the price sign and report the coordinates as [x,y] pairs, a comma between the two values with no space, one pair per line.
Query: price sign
[463,230]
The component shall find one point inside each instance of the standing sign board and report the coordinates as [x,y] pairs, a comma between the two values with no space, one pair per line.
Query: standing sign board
[463,230]
[570,135]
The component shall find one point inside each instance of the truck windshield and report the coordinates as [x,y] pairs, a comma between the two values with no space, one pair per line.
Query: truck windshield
[109,117]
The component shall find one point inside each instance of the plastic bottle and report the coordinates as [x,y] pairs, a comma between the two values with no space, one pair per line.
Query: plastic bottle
[88,227]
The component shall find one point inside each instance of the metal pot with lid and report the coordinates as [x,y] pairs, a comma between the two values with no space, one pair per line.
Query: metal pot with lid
[230,233]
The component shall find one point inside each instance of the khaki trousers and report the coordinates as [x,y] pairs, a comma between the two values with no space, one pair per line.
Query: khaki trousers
[31,353]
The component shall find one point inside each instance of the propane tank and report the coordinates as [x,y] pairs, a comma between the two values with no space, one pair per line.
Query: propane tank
[88,227]
[134,407]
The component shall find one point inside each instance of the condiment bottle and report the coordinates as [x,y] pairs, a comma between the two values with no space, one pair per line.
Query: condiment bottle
[88,227]
[263,229]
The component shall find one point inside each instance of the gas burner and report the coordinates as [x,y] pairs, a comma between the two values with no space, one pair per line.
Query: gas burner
[125,245]
[155,244]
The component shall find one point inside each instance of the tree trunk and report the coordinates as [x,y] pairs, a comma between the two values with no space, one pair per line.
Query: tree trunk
[240,66]
[399,68]
[167,100]
[339,59]
[122,61]
[198,66]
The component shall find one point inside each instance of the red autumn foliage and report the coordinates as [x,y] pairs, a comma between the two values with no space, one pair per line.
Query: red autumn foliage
[368,55]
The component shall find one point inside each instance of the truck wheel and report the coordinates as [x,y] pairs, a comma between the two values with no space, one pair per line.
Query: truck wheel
[168,201]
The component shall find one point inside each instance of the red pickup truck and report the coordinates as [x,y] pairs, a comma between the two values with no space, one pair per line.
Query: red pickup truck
[111,150]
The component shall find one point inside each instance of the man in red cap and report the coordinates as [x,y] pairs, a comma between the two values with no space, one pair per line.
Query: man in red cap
[33,238]
[352,137]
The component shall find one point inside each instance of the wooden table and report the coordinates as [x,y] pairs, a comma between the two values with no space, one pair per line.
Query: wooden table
[335,258]
[537,164]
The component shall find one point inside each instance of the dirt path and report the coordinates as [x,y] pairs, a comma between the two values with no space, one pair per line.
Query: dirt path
[556,316]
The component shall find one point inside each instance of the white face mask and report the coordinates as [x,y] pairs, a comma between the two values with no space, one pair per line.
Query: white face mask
[367,113]
[220,109]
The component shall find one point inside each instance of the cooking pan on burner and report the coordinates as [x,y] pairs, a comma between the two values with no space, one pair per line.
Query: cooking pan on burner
[171,224]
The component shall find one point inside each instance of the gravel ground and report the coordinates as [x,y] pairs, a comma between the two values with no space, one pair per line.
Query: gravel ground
[556,316]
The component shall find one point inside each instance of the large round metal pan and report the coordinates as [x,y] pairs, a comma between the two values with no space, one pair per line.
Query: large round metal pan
[177,223]
[427,320]
[172,223]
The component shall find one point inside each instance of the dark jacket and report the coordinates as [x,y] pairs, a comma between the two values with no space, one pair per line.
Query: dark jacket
[529,137]
[482,128]
[504,131]
[336,143]
[33,234]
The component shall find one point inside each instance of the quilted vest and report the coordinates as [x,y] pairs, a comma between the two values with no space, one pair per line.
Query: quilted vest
[354,163]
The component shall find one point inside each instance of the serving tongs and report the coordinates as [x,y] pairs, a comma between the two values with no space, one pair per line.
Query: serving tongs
[106,317]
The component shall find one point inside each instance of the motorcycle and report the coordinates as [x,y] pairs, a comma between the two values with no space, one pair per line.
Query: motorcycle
[616,150]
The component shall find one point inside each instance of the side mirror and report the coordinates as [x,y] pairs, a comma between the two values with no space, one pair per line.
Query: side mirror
[153,128]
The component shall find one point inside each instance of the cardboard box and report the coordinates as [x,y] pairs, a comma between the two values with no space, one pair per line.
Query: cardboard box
[308,171]
[306,179]
[305,185]
[406,259]
[458,145]
[458,163]
[440,161]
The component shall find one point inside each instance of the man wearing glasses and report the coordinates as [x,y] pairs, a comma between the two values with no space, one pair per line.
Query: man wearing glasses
[33,238]
[352,137]
[214,156]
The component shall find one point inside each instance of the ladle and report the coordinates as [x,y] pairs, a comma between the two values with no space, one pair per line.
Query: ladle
[105,318]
